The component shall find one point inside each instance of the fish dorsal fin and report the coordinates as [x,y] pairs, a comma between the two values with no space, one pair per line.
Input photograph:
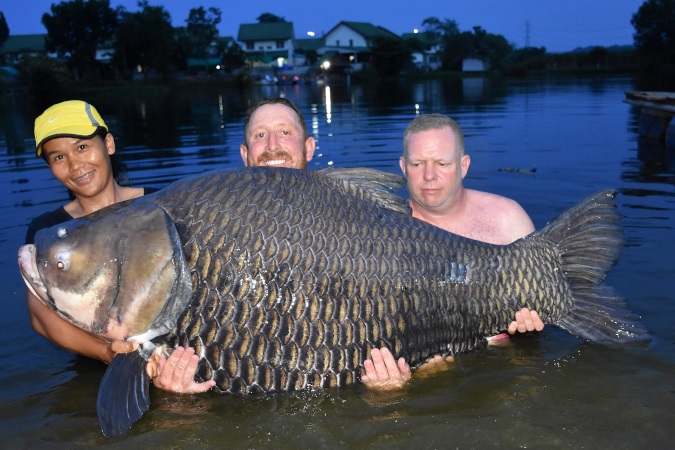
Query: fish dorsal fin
[371,184]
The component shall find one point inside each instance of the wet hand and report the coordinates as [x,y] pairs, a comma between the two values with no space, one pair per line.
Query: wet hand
[383,373]
[433,366]
[526,320]
[177,373]
[118,347]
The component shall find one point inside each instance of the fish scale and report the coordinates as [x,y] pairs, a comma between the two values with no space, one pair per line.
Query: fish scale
[284,279]
[372,258]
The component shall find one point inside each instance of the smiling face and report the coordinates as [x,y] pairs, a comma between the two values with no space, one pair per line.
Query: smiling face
[81,164]
[275,138]
[434,168]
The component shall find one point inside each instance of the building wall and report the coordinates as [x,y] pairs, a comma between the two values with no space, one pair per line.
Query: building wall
[344,36]
[474,65]
[268,45]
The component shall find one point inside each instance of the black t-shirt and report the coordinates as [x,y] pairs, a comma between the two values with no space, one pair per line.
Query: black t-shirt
[59,215]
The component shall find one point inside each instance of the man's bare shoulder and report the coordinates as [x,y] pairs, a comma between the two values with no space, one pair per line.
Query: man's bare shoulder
[492,202]
[507,214]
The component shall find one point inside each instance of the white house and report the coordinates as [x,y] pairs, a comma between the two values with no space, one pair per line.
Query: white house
[268,44]
[475,65]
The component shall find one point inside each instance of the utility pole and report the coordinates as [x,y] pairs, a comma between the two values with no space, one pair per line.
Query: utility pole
[527,34]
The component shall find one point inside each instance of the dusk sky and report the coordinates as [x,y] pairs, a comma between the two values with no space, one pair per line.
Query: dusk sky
[557,25]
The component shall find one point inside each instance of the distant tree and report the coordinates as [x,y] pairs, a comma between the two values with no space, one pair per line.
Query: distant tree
[598,56]
[440,28]
[183,45]
[654,37]
[4,29]
[43,75]
[202,31]
[312,56]
[493,48]
[269,18]
[527,59]
[455,49]
[390,56]
[144,39]
[231,55]
[76,29]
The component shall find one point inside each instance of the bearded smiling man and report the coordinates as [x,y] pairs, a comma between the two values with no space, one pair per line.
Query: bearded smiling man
[275,135]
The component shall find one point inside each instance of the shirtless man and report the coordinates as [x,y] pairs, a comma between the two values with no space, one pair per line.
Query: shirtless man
[434,164]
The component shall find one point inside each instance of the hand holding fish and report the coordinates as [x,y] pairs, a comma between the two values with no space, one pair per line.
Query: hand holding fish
[177,372]
[117,347]
[383,373]
[526,320]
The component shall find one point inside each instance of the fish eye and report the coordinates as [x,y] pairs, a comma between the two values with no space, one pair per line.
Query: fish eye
[62,260]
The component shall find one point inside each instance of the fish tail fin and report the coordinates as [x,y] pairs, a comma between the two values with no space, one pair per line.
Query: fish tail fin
[590,240]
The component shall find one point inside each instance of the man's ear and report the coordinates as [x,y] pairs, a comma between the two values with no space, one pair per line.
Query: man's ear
[401,162]
[465,162]
[310,146]
[243,151]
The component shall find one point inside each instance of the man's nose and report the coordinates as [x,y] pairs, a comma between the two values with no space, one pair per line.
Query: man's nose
[272,142]
[429,172]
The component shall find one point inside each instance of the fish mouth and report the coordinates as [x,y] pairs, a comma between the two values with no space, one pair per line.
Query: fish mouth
[29,272]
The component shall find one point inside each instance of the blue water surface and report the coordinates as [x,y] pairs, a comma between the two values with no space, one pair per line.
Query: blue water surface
[545,142]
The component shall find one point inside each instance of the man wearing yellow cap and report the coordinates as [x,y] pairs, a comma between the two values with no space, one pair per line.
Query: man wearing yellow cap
[74,141]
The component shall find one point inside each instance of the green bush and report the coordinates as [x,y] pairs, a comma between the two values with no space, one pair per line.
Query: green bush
[43,75]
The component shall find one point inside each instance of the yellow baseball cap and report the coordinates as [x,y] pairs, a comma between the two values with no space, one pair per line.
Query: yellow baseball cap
[72,118]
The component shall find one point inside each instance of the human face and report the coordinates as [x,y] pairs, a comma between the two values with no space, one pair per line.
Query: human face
[81,165]
[275,139]
[434,169]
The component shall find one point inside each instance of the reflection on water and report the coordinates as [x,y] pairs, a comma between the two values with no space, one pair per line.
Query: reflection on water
[574,136]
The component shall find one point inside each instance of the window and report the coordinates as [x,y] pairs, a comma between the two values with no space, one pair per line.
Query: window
[249,46]
[351,42]
[337,42]
[280,44]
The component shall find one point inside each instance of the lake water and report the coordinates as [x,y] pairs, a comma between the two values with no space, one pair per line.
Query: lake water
[545,143]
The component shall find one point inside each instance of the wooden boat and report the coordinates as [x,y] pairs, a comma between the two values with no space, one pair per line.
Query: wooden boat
[666,98]
[657,115]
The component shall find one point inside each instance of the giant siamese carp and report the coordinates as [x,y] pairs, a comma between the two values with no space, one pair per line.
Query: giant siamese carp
[285,279]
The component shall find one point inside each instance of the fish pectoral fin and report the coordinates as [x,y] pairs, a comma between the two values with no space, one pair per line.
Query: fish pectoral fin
[124,394]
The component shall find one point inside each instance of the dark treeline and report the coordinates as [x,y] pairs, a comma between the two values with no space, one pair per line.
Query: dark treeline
[145,44]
